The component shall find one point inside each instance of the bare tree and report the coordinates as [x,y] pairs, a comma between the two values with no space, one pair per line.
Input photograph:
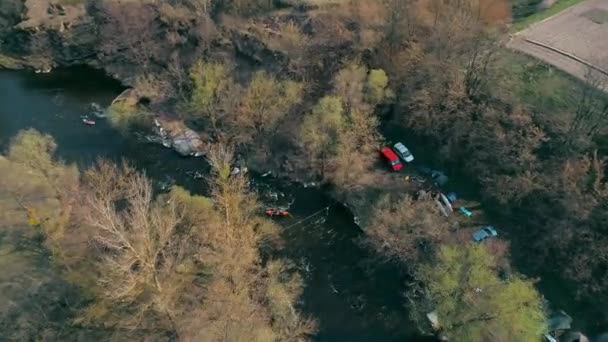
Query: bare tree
[479,61]
[178,75]
[402,229]
[245,298]
[399,24]
[351,164]
[591,114]
[143,277]
[265,102]
[129,32]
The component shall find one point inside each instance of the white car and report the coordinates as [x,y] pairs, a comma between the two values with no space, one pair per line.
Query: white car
[403,152]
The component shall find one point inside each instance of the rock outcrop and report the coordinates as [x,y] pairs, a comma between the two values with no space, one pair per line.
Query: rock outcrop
[46,34]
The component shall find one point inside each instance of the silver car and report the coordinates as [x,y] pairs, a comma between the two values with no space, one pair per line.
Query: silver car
[403,152]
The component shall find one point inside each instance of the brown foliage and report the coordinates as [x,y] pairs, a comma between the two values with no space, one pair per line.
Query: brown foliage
[351,167]
[582,190]
[246,300]
[263,105]
[184,265]
[446,55]
[580,185]
[498,148]
[505,146]
[463,14]
[567,216]
[440,109]
[329,31]
[288,37]
[155,87]
[143,255]
[129,31]
[349,84]
[44,190]
[406,230]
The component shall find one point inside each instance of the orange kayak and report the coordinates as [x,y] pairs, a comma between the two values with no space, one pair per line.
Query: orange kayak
[277,212]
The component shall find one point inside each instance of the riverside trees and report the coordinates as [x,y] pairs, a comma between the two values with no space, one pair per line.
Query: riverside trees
[454,87]
[473,303]
[406,230]
[467,286]
[175,266]
[243,115]
[186,265]
[440,57]
[339,138]
[39,188]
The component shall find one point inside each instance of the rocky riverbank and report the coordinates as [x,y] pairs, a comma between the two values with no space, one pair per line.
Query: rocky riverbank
[125,42]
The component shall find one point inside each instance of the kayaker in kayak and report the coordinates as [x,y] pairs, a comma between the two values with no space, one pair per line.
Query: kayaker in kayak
[87,121]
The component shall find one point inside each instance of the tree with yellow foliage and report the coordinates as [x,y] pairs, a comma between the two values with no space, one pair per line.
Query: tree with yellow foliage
[182,265]
[473,303]
[265,102]
[212,88]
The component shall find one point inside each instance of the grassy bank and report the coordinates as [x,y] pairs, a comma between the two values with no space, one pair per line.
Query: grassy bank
[559,6]
[537,84]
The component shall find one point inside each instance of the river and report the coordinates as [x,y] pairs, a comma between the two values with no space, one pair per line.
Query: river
[352,297]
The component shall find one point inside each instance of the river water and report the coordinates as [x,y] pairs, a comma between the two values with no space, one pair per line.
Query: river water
[352,297]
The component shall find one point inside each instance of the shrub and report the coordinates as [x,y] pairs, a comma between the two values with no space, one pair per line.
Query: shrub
[377,86]
[125,116]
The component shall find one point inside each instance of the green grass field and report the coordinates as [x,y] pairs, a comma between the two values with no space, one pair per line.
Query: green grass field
[537,85]
[559,6]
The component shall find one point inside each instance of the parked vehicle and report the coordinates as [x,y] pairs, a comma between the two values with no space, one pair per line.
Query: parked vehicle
[485,232]
[446,202]
[548,338]
[466,212]
[87,121]
[452,197]
[559,324]
[392,158]
[403,152]
[442,208]
[439,178]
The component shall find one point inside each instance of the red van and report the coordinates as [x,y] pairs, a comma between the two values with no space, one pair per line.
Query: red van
[392,158]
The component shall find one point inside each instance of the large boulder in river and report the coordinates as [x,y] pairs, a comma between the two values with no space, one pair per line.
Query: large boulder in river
[187,143]
[182,139]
